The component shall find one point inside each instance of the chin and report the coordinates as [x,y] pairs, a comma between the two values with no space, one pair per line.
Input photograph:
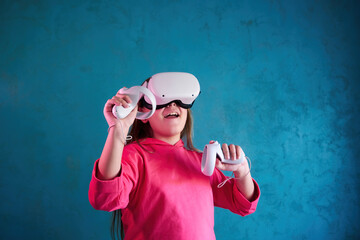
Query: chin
[173,132]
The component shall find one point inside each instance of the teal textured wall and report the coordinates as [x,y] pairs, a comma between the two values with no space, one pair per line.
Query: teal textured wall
[280,78]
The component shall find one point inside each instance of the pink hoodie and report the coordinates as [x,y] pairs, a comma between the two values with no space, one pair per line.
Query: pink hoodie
[164,195]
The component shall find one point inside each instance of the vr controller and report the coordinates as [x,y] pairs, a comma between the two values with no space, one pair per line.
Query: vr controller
[135,93]
[213,151]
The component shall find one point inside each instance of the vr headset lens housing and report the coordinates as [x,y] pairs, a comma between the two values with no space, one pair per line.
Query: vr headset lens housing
[169,87]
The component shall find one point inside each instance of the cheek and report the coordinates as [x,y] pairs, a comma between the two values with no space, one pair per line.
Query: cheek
[156,116]
[156,120]
[185,114]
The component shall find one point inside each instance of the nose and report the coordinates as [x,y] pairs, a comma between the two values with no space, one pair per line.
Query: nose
[173,104]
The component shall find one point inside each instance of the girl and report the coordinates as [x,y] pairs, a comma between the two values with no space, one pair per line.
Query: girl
[155,183]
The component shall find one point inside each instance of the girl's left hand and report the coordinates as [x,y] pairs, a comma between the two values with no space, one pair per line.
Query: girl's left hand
[233,152]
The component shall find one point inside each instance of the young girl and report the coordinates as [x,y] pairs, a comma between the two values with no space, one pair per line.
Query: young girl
[156,183]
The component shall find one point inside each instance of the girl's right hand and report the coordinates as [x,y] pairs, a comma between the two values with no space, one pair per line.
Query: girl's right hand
[119,100]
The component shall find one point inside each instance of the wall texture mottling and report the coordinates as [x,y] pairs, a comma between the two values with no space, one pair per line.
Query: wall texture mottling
[280,78]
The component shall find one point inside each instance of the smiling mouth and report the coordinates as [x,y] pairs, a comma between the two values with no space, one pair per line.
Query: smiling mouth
[172,115]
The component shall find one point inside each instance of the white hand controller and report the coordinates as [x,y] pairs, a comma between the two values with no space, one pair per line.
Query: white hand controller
[211,152]
[135,93]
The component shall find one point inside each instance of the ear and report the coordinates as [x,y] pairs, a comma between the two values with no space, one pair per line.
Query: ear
[143,109]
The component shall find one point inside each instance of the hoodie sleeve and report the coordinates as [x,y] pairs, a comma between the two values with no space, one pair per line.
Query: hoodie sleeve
[229,197]
[110,195]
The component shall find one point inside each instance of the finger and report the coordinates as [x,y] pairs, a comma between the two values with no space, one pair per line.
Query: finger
[232,149]
[122,96]
[109,104]
[116,101]
[219,165]
[120,101]
[127,99]
[124,103]
[239,152]
[225,167]
[225,150]
[212,141]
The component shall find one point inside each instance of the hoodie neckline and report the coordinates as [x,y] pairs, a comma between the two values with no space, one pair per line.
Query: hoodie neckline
[150,141]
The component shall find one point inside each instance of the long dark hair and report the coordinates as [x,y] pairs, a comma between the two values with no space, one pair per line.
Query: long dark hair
[141,130]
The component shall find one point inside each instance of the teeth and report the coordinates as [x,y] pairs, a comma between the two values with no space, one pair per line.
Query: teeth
[172,114]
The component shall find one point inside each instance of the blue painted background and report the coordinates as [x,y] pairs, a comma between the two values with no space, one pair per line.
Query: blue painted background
[280,78]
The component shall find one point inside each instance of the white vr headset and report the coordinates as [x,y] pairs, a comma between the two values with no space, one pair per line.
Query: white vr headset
[159,91]
[168,87]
